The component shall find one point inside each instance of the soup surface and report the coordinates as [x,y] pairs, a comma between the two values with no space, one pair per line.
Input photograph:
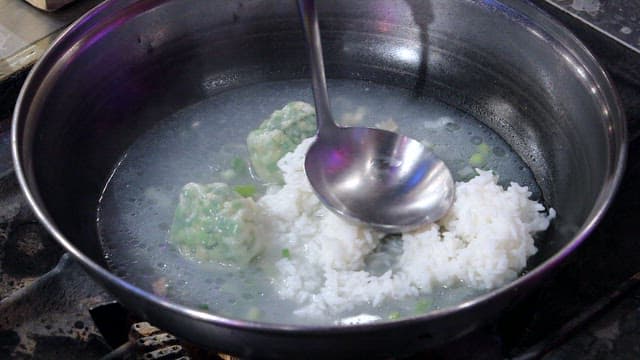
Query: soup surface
[206,143]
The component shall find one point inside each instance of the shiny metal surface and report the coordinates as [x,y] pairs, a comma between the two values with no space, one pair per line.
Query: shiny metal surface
[134,62]
[616,19]
[370,176]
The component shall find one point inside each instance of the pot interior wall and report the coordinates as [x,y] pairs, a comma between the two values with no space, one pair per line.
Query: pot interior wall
[110,83]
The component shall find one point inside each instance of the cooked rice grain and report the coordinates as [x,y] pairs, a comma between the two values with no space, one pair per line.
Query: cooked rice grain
[482,243]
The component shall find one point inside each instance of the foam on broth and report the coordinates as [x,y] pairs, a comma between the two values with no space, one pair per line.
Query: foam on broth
[198,143]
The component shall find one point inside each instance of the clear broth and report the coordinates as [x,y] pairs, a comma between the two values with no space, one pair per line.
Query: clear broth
[198,143]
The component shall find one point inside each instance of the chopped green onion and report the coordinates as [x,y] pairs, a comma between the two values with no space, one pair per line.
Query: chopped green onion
[203,306]
[253,313]
[394,315]
[286,253]
[245,190]
[477,160]
[483,149]
[423,305]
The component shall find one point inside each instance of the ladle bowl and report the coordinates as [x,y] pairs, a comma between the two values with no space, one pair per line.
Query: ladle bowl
[375,177]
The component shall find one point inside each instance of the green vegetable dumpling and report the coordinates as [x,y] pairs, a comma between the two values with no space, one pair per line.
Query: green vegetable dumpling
[214,223]
[279,134]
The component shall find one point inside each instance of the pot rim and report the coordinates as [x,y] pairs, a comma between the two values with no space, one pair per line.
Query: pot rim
[527,13]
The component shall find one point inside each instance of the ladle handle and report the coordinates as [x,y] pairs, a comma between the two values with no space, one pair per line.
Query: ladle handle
[309,18]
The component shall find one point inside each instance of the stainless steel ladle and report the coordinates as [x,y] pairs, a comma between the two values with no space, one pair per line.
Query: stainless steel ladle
[370,176]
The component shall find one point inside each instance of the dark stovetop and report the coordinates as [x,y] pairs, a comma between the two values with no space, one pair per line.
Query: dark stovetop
[588,309]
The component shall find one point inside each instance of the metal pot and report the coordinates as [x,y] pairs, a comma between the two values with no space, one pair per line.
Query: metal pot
[128,63]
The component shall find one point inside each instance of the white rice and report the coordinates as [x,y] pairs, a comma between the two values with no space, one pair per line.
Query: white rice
[483,242]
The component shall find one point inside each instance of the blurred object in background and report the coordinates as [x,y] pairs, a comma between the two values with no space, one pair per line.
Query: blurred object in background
[49,5]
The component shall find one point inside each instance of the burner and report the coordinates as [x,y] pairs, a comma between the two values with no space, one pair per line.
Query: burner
[26,250]
[51,316]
